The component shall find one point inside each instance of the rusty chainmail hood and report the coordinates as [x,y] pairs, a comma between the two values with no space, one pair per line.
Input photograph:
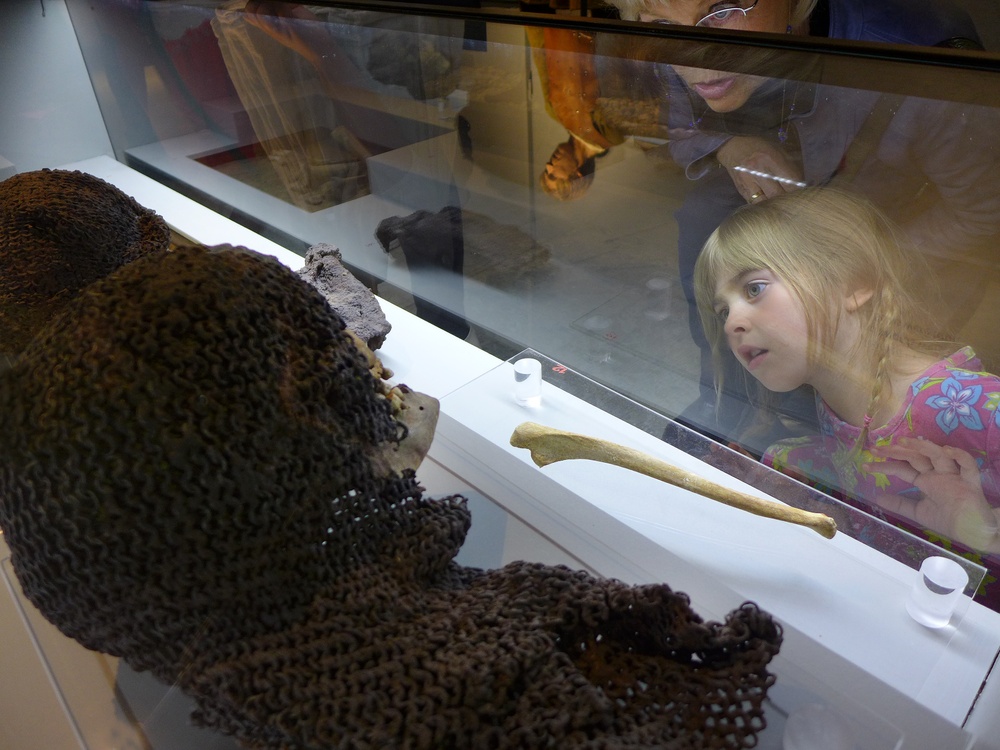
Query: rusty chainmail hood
[60,231]
[186,482]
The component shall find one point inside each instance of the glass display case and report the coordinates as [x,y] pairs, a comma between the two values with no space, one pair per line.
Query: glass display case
[538,185]
[547,181]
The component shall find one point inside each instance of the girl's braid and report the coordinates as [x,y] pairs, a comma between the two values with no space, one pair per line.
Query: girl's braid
[885,348]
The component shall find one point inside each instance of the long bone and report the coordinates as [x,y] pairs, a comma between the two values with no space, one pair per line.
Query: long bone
[548,445]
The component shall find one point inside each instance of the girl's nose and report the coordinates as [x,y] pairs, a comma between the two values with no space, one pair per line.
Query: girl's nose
[736,321]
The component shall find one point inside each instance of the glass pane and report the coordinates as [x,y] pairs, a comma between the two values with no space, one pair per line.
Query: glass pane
[524,181]
[896,543]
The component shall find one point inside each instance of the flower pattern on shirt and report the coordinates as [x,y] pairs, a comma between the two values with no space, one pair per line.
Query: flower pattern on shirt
[956,406]
[953,402]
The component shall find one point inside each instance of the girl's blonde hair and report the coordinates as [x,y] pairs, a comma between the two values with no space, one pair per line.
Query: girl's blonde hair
[630,9]
[824,244]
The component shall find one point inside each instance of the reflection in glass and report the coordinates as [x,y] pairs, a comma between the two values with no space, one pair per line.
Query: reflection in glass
[427,150]
[728,16]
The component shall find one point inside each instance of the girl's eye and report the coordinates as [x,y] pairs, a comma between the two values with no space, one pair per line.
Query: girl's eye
[755,288]
[722,313]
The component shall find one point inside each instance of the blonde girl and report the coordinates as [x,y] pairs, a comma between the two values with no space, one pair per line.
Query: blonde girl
[815,288]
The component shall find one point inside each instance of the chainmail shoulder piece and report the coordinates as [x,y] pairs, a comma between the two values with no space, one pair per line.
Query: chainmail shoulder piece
[190,480]
[60,230]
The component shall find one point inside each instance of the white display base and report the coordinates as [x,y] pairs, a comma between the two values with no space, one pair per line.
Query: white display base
[848,635]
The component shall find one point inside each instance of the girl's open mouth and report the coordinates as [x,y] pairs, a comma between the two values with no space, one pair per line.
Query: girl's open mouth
[752,356]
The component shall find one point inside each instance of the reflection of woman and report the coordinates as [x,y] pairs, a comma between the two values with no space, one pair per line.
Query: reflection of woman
[743,137]
[923,22]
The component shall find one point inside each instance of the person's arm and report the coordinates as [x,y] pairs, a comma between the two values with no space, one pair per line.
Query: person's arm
[953,502]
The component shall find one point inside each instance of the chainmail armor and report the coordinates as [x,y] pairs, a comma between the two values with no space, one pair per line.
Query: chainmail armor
[187,481]
[61,230]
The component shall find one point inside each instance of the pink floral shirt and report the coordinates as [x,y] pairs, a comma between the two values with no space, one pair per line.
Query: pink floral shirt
[952,403]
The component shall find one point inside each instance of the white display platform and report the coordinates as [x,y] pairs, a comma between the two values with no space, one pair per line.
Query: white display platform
[848,642]
[841,603]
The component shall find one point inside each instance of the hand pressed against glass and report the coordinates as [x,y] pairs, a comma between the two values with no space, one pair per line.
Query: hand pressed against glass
[748,158]
[949,479]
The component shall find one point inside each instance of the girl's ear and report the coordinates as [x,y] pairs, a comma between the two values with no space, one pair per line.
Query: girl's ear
[858,299]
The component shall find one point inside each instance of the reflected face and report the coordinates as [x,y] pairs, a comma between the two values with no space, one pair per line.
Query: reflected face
[562,165]
[766,330]
[722,91]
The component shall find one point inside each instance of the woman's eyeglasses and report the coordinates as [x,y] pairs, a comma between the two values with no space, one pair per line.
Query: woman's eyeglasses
[728,15]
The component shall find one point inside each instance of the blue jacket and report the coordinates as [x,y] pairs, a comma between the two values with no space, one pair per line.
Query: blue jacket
[924,22]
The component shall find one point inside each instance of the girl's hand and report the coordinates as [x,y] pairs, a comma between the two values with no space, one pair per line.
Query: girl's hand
[760,156]
[953,503]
